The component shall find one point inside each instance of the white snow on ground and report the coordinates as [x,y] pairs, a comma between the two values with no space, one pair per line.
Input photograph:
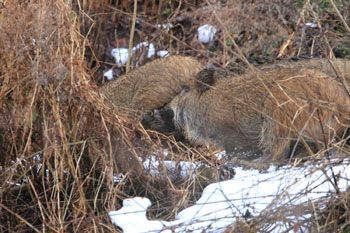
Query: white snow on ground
[120,55]
[109,74]
[154,167]
[151,50]
[166,26]
[206,33]
[220,155]
[181,169]
[163,53]
[249,191]
[311,25]
[132,217]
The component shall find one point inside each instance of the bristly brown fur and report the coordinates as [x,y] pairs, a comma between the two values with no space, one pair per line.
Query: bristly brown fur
[332,67]
[265,113]
[209,76]
[152,85]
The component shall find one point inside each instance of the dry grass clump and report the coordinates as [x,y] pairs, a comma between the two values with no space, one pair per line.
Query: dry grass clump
[61,143]
[107,24]
[266,30]
[51,113]
[335,217]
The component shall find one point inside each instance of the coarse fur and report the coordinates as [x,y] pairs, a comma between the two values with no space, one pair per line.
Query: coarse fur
[265,112]
[335,68]
[153,85]
[161,120]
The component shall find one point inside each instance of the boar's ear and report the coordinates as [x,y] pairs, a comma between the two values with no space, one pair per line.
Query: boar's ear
[205,79]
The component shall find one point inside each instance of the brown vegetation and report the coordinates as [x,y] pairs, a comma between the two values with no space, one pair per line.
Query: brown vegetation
[61,143]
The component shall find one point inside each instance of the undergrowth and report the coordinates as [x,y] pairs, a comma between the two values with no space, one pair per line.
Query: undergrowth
[61,142]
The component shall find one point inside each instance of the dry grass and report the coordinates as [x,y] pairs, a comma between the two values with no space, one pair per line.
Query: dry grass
[52,111]
[61,142]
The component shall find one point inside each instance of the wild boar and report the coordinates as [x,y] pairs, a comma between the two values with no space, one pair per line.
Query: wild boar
[153,85]
[267,112]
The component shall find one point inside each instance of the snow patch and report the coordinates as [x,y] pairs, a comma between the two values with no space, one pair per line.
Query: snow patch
[206,33]
[166,26]
[109,74]
[132,217]
[248,192]
[120,55]
[311,25]
[151,51]
[181,169]
[163,53]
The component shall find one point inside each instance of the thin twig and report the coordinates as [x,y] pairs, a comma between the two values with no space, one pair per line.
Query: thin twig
[335,184]
[132,33]
[19,217]
[340,16]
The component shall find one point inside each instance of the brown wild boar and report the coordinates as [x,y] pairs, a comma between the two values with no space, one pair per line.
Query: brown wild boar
[161,120]
[153,85]
[267,113]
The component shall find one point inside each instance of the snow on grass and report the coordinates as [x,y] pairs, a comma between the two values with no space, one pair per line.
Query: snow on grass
[181,169]
[120,55]
[109,74]
[154,167]
[151,50]
[166,26]
[206,33]
[132,217]
[248,192]
[163,53]
[311,25]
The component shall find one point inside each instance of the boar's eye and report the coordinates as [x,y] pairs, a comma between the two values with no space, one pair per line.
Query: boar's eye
[167,114]
[185,89]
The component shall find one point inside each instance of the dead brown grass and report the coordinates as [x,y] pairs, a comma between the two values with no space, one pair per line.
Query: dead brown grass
[50,109]
[61,142]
